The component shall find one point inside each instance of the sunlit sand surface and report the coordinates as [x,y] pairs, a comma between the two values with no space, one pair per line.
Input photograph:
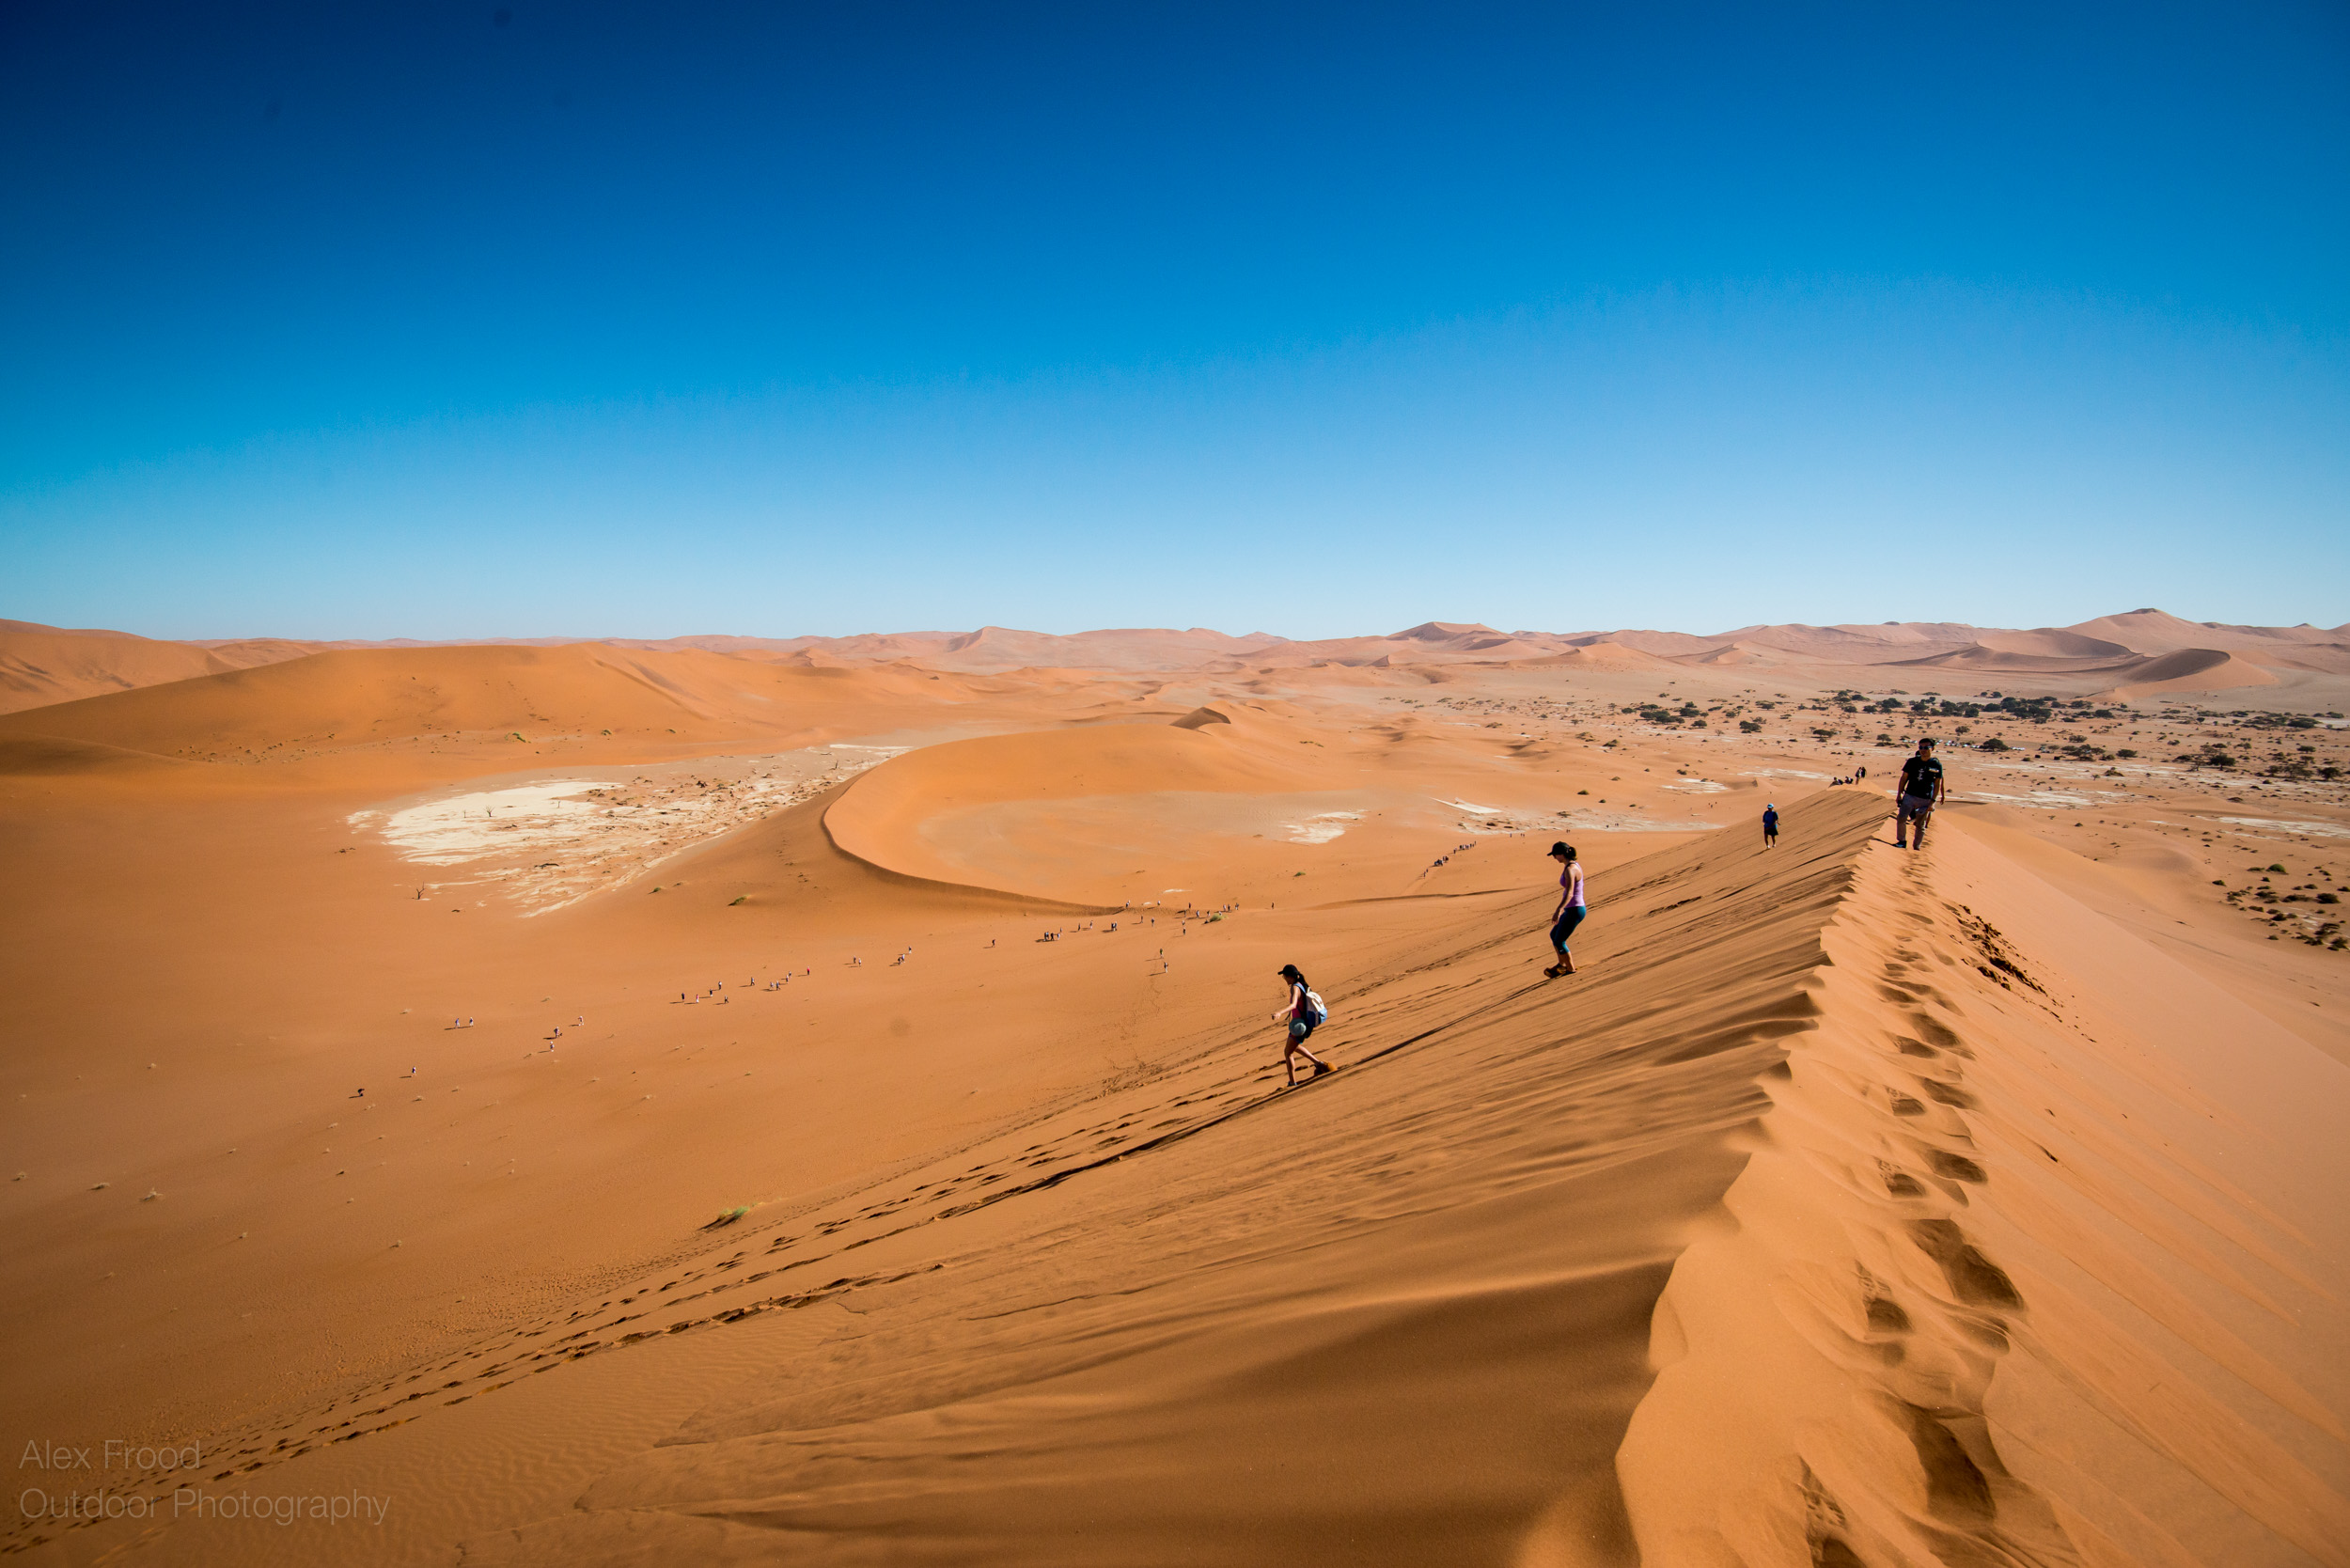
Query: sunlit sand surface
[827,1112]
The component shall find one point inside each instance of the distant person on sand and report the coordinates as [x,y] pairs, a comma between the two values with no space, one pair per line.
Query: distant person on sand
[1571,907]
[1918,793]
[1303,1018]
[1770,825]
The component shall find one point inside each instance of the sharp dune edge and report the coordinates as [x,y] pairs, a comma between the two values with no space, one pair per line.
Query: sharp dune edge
[1976,1206]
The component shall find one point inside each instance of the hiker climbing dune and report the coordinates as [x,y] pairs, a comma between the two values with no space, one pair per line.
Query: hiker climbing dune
[1570,909]
[1303,1013]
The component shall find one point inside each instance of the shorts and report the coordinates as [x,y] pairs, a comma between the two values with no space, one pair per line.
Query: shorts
[1299,1030]
[1565,928]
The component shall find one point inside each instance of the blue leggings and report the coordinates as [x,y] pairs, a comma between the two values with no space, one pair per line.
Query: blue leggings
[1565,928]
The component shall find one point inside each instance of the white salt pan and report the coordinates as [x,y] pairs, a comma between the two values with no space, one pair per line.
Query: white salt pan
[1320,828]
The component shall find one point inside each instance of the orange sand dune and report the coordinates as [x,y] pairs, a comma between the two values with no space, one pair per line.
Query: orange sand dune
[909,814]
[1742,655]
[2049,641]
[1603,654]
[2192,669]
[1862,645]
[41,665]
[2323,658]
[1967,1250]
[1794,1231]
[1990,660]
[1669,644]
[582,693]
[644,1148]
[2156,632]
[2131,675]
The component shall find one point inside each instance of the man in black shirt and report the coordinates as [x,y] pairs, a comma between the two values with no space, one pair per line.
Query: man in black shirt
[1918,793]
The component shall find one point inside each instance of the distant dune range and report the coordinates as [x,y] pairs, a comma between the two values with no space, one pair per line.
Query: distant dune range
[45,665]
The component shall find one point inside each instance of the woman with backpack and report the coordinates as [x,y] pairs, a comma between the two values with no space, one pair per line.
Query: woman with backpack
[1303,1012]
[1571,907]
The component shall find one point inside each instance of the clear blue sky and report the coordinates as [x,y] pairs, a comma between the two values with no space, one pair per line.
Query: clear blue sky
[452,319]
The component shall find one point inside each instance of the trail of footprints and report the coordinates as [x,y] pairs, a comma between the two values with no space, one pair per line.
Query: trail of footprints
[1196,1089]
[1927,1326]
[701,1290]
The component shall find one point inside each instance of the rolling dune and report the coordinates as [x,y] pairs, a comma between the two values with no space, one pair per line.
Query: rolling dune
[2192,669]
[42,665]
[1806,1226]
[649,1147]
[1603,654]
[931,813]
[597,700]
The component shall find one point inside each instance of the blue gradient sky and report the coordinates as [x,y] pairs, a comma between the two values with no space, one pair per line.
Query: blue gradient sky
[403,319]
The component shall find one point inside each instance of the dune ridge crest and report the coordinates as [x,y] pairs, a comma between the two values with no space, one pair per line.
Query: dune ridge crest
[1921,1334]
